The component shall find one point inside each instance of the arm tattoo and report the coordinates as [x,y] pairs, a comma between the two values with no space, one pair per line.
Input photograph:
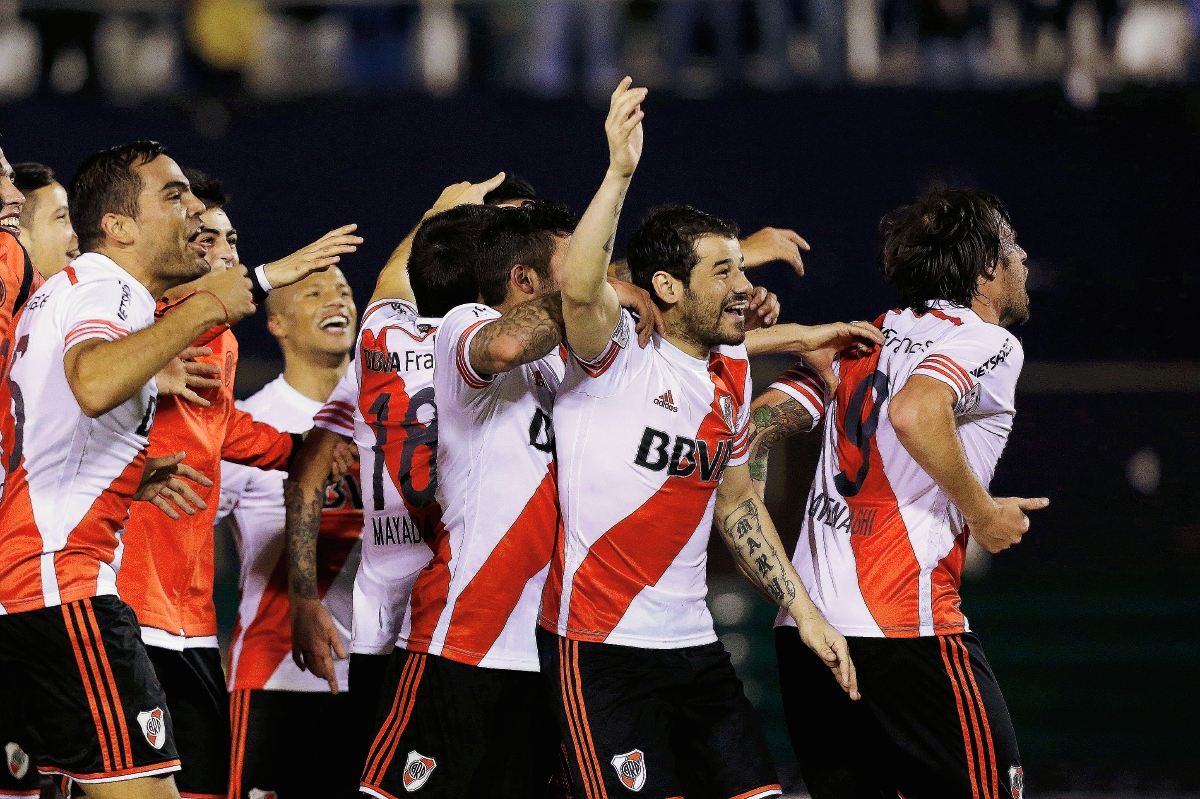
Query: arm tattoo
[744,533]
[536,327]
[616,213]
[773,423]
[621,271]
[303,521]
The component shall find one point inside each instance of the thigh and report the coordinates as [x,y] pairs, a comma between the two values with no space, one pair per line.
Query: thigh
[615,727]
[433,733]
[92,698]
[941,709]
[836,740]
[717,735]
[523,742]
[367,674]
[194,684]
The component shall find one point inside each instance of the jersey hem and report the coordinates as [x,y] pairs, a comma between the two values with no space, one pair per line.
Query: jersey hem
[64,598]
[858,631]
[632,641]
[469,658]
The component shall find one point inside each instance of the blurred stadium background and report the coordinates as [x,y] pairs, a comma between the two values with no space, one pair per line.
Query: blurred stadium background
[1083,115]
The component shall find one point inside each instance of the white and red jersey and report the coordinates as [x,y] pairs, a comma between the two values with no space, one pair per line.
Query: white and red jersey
[477,601]
[644,436]
[70,478]
[881,546]
[385,403]
[260,654]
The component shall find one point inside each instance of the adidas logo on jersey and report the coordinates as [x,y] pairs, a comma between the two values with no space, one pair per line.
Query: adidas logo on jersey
[417,770]
[665,400]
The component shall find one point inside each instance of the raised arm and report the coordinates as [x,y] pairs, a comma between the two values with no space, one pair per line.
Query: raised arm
[922,414]
[393,283]
[590,305]
[747,529]
[323,253]
[103,374]
[525,332]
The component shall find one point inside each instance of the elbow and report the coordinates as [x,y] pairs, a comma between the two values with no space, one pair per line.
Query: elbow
[93,401]
[905,417]
[504,355]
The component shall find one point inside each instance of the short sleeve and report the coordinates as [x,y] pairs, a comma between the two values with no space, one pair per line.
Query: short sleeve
[97,309]
[458,330]
[803,384]
[234,478]
[337,414]
[609,372]
[740,452]
[980,364]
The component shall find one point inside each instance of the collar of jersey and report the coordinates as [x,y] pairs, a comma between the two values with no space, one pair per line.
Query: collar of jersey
[678,356]
[93,260]
[293,396]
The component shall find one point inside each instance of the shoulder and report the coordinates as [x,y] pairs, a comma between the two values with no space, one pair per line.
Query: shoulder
[260,400]
[460,321]
[386,310]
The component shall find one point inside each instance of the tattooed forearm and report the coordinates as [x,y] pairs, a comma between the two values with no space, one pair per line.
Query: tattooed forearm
[755,548]
[620,270]
[772,423]
[525,333]
[303,521]
[616,214]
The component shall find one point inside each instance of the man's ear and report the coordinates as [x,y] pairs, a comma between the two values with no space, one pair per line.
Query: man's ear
[119,228]
[276,326]
[524,278]
[668,289]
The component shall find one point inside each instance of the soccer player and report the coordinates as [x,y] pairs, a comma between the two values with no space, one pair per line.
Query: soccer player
[167,570]
[912,437]
[652,450]
[83,403]
[46,231]
[283,718]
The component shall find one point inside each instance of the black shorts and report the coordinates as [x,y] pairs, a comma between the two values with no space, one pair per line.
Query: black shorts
[931,722]
[194,683]
[659,722]
[366,679]
[292,744]
[453,730]
[87,691]
[19,776]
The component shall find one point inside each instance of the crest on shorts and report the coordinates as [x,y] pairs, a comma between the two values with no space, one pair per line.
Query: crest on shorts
[259,793]
[154,726]
[631,769]
[1016,781]
[417,770]
[726,403]
[18,761]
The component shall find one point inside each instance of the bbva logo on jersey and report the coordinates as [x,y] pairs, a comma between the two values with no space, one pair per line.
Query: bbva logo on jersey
[417,770]
[631,769]
[685,455]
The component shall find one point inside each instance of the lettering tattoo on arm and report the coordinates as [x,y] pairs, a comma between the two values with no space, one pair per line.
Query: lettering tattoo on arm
[773,423]
[535,327]
[743,531]
[303,523]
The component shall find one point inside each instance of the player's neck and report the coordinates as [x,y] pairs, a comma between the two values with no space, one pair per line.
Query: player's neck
[676,333]
[986,309]
[128,260]
[314,375]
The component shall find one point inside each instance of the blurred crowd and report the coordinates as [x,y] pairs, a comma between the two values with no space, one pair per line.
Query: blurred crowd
[132,50]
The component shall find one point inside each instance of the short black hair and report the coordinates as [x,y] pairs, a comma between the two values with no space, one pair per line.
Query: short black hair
[207,190]
[937,247]
[513,188]
[524,236]
[441,266]
[107,183]
[29,177]
[666,242]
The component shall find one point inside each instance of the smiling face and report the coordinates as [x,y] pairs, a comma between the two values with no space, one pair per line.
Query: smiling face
[219,240]
[46,230]
[11,198]
[315,317]
[712,308]
[167,224]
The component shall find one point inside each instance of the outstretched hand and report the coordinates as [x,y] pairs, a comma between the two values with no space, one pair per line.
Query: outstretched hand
[465,193]
[821,345]
[762,310]
[183,375]
[624,128]
[316,257]
[774,244]
[163,486]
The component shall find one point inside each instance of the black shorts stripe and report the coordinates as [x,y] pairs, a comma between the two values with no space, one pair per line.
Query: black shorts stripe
[989,777]
[101,712]
[585,747]
[371,772]
[109,685]
[389,734]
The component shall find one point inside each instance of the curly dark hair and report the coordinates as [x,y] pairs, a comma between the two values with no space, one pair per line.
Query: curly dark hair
[107,183]
[666,242]
[938,247]
[441,266]
[524,236]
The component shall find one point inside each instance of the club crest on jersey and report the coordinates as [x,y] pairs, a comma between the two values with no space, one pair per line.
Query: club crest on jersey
[726,403]
[621,335]
[154,726]
[18,761]
[259,793]
[631,769]
[417,770]
[1016,782]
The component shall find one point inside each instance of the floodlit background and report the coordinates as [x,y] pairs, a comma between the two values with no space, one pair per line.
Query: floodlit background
[820,115]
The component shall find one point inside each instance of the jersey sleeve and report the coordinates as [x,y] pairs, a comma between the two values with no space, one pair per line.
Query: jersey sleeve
[740,453]
[17,272]
[234,479]
[458,330]
[96,309]
[337,414]
[803,384]
[609,372]
[980,364]
[252,443]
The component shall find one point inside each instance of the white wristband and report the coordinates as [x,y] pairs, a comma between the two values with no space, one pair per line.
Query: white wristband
[260,272]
